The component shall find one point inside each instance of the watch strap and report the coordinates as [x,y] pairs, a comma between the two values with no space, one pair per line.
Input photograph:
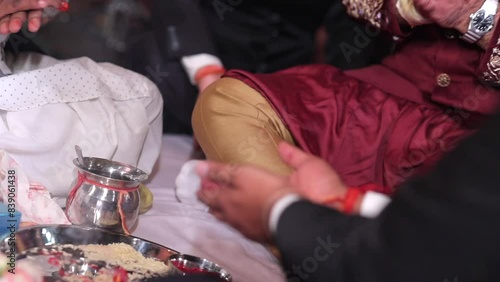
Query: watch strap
[471,36]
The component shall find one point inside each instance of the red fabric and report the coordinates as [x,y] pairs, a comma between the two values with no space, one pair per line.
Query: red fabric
[373,187]
[385,123]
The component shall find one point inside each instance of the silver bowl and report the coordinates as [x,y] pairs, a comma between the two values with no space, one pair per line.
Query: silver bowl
[36,240]
[195,265]
[107,171]
[105,195]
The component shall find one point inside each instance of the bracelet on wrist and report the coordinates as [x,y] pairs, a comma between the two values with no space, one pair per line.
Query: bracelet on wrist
[348,202]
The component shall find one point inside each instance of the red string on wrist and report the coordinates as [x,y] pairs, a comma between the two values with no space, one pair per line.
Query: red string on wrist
[349,201]
[208,70]
[351,198]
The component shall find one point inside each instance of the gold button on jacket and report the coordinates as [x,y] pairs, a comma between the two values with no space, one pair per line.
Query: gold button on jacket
[443,80]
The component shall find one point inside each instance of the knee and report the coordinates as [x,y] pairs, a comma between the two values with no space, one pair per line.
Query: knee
[211,104]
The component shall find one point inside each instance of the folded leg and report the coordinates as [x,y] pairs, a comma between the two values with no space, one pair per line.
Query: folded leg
[235,124]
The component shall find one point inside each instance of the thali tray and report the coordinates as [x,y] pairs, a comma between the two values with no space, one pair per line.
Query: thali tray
[46,237]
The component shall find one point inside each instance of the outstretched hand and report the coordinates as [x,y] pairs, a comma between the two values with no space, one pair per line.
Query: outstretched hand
[448,13]
[313,178]
[243,196]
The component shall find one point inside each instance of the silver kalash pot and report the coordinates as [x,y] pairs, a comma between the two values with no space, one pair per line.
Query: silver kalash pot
[105,195]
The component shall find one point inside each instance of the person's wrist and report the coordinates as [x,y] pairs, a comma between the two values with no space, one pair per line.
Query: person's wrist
[348,201]
[464,24]
[463,20]
[204,82]
[207,72]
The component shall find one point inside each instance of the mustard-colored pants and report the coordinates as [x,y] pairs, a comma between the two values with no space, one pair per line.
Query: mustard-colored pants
[234,123]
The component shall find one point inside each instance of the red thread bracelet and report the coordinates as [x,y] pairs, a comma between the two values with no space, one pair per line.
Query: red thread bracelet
[349,201]
[352,196]
[208,70]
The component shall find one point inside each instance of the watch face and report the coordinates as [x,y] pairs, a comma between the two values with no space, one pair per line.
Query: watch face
[482,23]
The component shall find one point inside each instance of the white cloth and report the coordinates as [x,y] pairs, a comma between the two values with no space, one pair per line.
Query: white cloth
[48,106]
[31,199]
[187,184]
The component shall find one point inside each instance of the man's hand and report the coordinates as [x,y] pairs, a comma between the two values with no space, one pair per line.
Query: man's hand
[453,14]
[242,196]
[448,13]
[14,13]
[313,178]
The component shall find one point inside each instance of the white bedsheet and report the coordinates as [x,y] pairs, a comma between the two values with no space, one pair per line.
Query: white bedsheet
[195,232]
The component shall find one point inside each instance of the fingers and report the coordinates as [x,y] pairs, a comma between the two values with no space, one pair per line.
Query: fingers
[8,7]
[222,174]
[4,25]
[34,20]
[208,193]
[17,21]
[292,155]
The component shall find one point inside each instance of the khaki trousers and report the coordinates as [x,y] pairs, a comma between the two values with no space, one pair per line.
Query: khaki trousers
[234,123]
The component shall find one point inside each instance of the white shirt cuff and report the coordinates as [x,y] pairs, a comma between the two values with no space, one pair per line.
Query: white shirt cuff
[194,63]
[373,204]
[278,208]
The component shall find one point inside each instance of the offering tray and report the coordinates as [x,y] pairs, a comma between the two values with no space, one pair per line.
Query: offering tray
[44,244]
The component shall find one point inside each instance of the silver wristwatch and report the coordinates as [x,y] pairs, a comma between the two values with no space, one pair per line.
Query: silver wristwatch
[481,22]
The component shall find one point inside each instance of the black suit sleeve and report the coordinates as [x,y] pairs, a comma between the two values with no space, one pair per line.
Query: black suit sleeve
[180,28]
[444,227]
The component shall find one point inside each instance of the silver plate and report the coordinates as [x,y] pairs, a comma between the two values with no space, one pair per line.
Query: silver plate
[47,236]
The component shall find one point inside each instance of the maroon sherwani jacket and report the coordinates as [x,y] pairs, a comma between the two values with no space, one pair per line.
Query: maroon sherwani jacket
[388,122]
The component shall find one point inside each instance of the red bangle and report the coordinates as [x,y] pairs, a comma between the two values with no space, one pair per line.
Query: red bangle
[349,201]
[352,196]
[208,70]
